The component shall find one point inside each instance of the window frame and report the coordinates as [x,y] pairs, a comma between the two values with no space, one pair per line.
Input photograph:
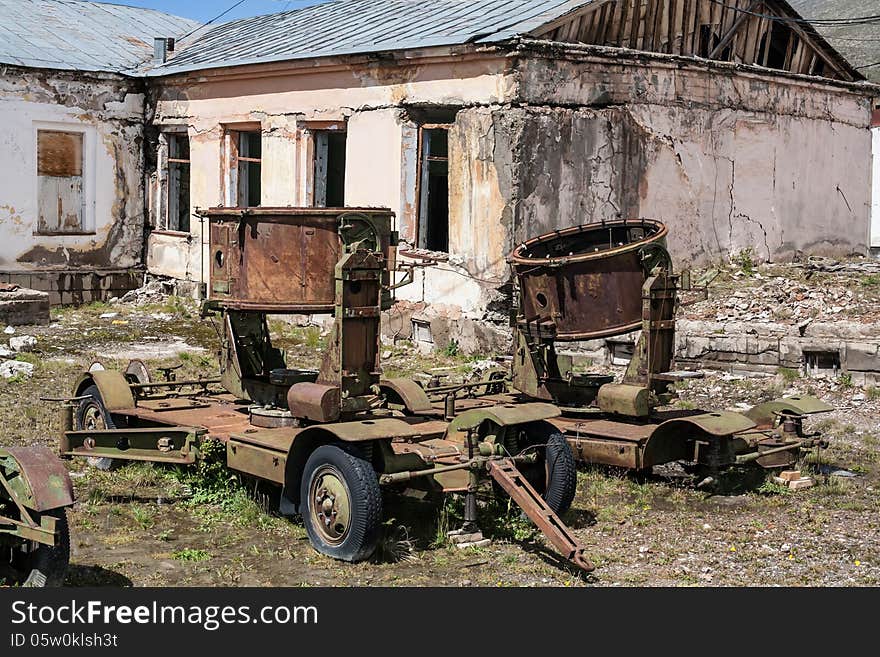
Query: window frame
[233,137]
[87,224]
[420,236]
[165,161]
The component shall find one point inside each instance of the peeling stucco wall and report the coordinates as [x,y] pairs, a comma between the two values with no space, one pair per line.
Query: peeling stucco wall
[728,159]
[109,111]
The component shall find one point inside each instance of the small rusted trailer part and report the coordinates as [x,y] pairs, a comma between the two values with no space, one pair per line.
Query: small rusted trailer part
[331,438]
[35,490]
[610,278]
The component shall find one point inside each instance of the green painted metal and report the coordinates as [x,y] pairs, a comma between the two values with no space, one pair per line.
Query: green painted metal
[504,415]
[797,405]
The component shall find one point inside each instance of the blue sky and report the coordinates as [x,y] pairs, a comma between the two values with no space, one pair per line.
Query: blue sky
[205,10]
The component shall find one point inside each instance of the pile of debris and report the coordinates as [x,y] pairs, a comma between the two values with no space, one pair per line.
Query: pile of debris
[153,291]
[10,367]
[787,295]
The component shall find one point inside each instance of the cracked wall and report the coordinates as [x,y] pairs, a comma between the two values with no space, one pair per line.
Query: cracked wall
[108,110]
[542,138]
[728,160]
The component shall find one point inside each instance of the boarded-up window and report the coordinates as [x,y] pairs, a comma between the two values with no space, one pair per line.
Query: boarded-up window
[60,173]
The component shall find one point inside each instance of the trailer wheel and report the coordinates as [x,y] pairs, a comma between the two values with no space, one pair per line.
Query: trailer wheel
[555,474]
[38,565]
[341,504]
[92,415]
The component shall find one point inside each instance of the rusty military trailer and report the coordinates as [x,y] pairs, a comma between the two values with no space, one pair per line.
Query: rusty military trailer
[35,491]
[333,438]
[606,279]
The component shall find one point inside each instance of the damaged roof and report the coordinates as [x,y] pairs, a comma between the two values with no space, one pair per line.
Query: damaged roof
[82,36]
[348,27]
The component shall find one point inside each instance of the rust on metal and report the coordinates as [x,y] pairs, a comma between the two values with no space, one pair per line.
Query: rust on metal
[505,473]
[276,259]
[47,483]
[585,282]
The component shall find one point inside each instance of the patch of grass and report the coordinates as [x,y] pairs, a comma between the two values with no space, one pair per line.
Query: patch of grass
[788,374]
[845,379]
[872,393]
[770,487]
[191,554]
[745,260]
[451,349]
[871,280]
[27,357]
[143,516]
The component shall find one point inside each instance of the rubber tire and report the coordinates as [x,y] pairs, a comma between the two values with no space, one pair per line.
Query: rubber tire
[366,502]
[47,565]
[99,462]
[561,474]
[559,484]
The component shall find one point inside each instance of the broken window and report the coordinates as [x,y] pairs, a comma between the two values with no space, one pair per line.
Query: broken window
[433,233]
[60,172]
[248,165]
[329,168]
[178,182]
[777,46]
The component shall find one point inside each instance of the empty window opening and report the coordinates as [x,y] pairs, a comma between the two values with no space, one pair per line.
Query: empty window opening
[249,164]
[776,47]
[821,363]
[61,204]
[433,232]
[178,182]
[329,168]
[621,352]
[709,40]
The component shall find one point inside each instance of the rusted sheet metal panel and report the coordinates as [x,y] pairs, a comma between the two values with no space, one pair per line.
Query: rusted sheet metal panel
[585,282]
[48,483]
[718,423]
[504,415]
[409,393]
[115,390]
[539,512]
[800,405]
[607,452]
[607,429]
[260,462]
[276,259]
[314,401]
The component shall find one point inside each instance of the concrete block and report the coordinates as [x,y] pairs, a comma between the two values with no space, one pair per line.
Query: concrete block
[799,484]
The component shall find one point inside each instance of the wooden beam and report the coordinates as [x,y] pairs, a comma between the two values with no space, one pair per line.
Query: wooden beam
[728,36]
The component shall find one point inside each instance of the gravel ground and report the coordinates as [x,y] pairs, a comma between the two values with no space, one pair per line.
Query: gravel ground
[143,526]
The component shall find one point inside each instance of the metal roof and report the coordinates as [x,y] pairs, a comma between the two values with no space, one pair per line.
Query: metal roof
[348,27]
[82,36]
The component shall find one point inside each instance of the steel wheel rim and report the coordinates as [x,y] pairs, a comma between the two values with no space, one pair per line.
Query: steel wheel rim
[330,505]
[93,418]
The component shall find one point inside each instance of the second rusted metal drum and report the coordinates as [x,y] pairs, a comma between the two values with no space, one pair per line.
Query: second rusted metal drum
[585,282]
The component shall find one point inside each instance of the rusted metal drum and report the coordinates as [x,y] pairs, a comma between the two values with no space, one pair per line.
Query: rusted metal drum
[585,282]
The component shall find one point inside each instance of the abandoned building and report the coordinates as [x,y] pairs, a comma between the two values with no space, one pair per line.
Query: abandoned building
[72,127]
[479,123]
[483,123]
